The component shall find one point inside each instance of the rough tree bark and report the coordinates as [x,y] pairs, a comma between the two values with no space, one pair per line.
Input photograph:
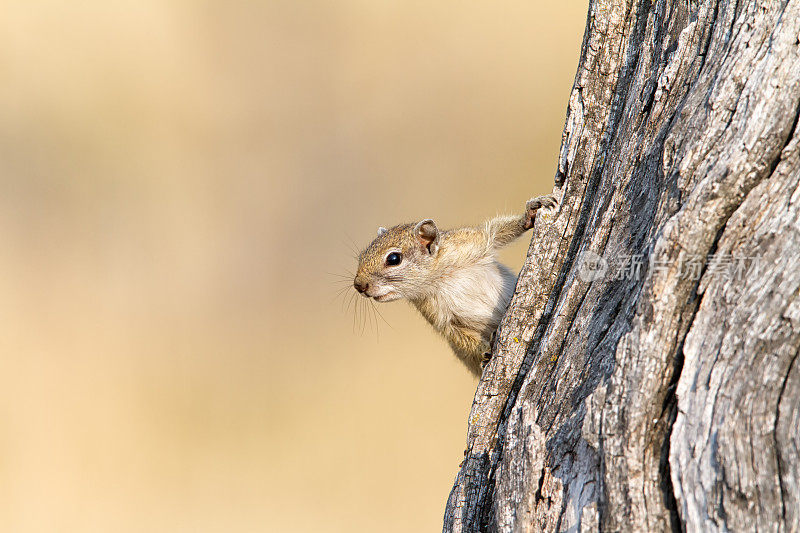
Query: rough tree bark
[646,377]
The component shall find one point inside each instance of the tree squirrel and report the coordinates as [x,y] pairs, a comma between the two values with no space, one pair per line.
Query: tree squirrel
[452,277]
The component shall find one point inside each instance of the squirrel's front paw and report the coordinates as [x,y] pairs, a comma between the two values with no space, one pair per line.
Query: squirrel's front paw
[485,359]
[547,201]
[486,348]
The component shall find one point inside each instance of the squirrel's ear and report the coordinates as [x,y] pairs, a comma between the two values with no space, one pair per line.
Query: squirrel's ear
[381,231]
[428,235]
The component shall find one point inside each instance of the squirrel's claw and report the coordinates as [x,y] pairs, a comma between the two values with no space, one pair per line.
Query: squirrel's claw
[487,356]
[485,359]
[547,201]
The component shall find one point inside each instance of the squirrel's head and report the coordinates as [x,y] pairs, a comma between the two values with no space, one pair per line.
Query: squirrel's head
[398,262]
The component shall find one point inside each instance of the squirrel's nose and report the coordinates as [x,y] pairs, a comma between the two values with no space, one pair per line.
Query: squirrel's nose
[360,285]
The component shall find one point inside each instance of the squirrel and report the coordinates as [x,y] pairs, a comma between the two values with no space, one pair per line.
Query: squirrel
[452,277]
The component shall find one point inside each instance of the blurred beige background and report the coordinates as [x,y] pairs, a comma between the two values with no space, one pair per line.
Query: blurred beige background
[181,183]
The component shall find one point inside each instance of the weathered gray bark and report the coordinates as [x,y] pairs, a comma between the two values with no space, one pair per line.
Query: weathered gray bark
[650,400]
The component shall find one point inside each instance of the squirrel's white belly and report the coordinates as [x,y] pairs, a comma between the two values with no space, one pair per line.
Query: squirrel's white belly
[477,295]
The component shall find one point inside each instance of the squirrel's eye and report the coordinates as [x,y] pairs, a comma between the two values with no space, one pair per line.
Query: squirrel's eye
[393,259]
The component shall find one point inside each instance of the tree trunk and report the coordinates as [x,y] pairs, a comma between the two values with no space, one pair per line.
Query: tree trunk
[645,375]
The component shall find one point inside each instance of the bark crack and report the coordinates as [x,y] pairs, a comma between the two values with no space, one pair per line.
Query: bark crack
[670,404]
[779,462]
